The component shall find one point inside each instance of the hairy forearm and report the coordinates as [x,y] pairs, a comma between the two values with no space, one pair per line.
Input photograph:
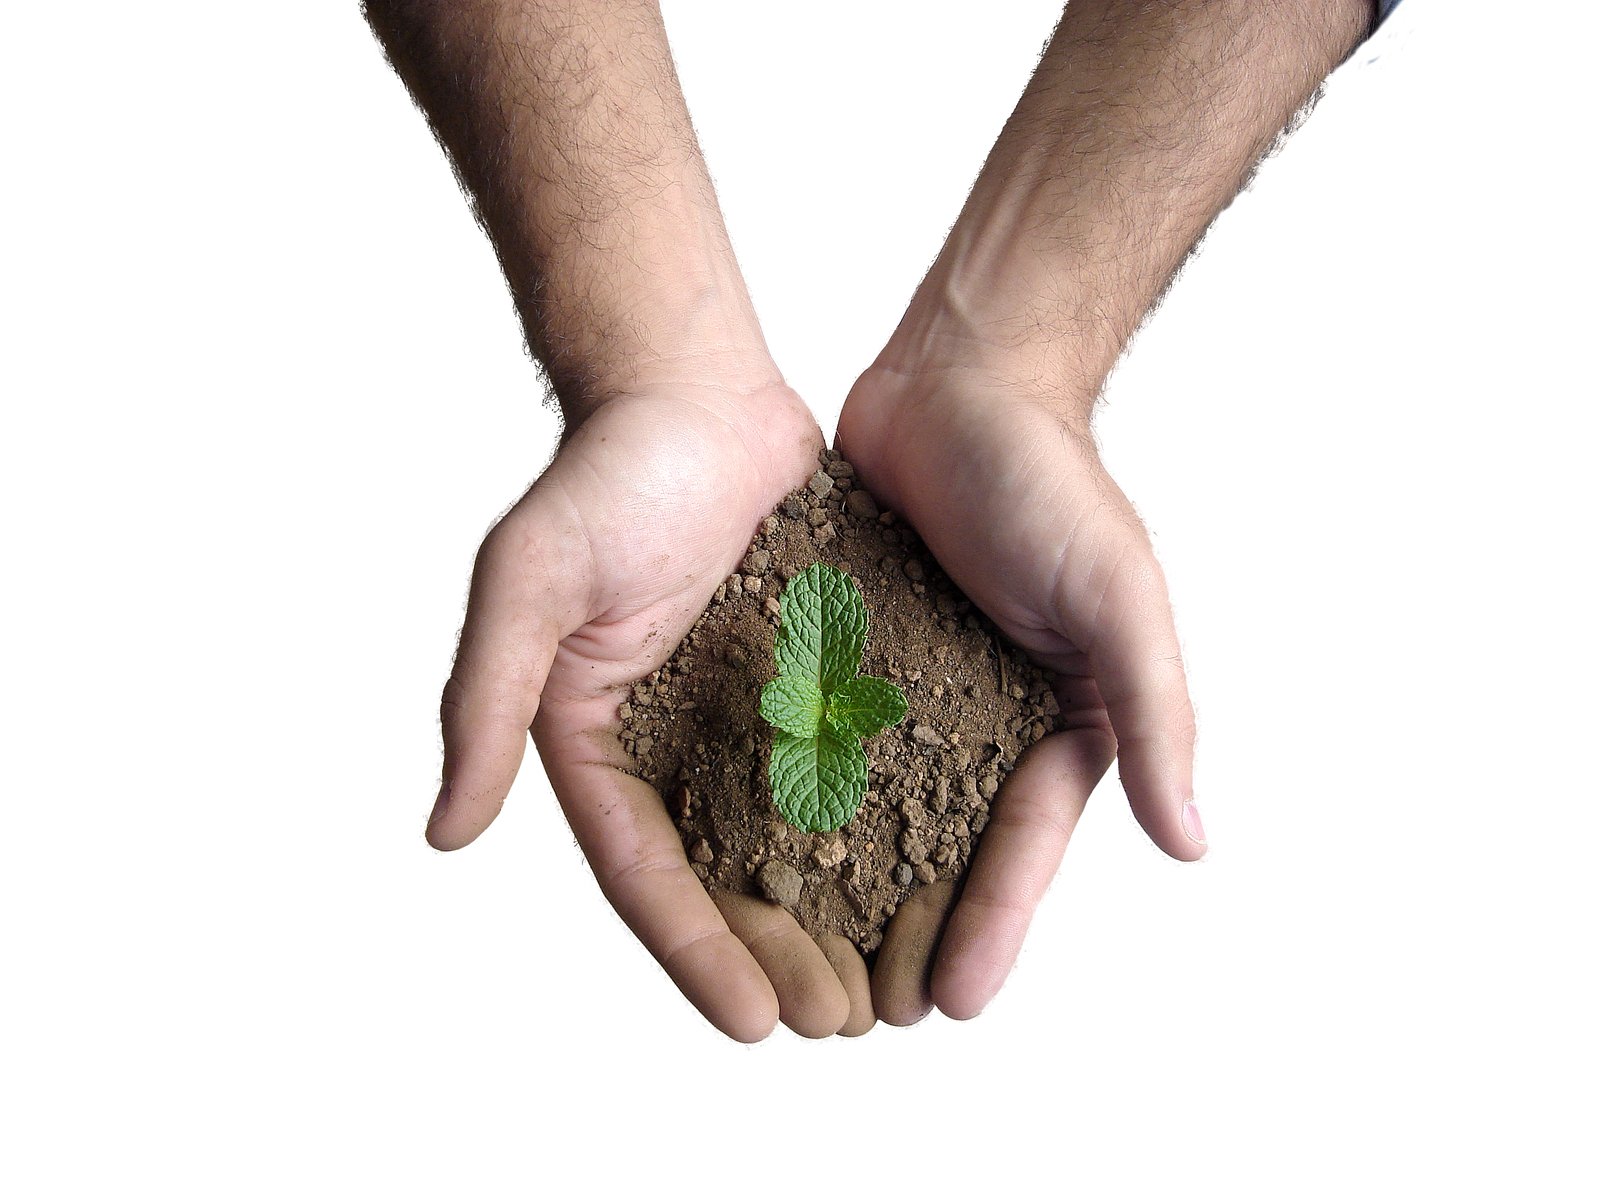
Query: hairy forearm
[1141,123]
[565,122]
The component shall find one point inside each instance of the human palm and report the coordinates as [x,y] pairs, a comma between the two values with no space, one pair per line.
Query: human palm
[1008,492]
[587,584]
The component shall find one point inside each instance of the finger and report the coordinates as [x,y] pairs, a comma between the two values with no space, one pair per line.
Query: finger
[625,833]
[901,993]
[1029,827]
[812,1000]
[1134,654]
[529,584]
[851,969]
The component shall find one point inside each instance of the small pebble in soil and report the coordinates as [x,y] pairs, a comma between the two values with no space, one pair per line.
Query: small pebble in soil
[831,853]
[859,503]
[780,882]
[913,847]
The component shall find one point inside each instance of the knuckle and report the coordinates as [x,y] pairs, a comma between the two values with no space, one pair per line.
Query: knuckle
[1184,730]
[507,541]
[512,697]
[638,870]
[453,696]
[1030,814]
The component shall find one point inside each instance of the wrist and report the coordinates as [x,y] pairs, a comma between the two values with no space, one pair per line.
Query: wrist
[678,326]
[966,333]
[998,303]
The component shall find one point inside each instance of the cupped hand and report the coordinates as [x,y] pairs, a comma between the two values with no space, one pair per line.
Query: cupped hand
[1004,485]
[587,585]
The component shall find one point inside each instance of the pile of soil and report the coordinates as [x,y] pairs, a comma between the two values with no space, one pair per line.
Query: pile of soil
[974,703]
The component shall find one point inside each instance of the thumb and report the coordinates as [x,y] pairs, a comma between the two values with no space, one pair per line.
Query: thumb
[530,584]
[1133,651]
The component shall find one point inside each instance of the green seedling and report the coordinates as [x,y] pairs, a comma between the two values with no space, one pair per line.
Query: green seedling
[819,706]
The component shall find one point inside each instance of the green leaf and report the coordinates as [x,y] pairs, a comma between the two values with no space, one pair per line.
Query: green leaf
[794,704]
[819,707]
[817,782]
[822,625]
[862,706]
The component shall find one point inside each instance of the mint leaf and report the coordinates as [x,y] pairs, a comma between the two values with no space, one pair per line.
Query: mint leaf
[818,706]
[862,706]
[822,625]
[818,781]
[794,704]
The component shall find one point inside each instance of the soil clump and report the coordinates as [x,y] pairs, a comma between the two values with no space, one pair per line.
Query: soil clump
[974,704]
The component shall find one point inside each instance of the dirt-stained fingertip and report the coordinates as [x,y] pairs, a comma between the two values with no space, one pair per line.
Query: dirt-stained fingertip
[812,1000]
[851,968]
[902,978]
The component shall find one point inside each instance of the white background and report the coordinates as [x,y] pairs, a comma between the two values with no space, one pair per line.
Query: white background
[263,393]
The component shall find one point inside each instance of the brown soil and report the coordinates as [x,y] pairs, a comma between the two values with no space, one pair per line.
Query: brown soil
[974,704]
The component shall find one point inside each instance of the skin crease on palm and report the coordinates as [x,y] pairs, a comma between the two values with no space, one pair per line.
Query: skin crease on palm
[681,437]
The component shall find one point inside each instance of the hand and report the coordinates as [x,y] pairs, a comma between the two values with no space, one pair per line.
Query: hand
[588,584]
[1005,487]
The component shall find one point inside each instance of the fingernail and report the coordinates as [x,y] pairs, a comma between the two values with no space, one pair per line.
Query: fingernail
[439,805]
[1192,828]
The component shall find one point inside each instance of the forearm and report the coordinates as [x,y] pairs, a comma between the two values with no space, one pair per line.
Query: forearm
[1140,124]
[565,122]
